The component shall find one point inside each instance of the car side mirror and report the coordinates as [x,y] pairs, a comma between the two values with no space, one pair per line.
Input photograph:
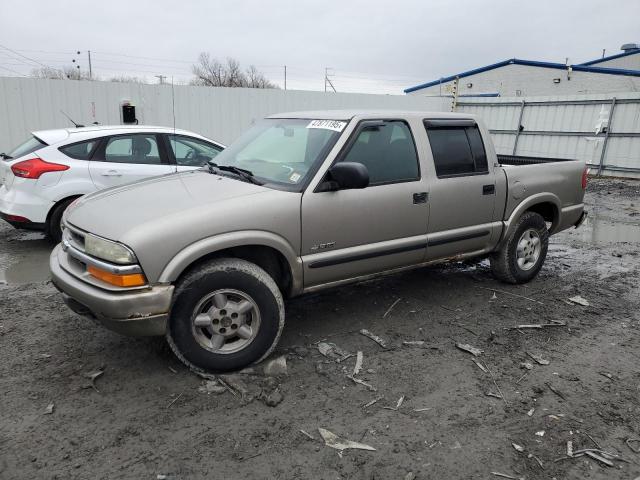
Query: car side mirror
[345,176]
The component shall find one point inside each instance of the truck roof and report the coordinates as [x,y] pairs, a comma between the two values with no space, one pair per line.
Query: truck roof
[348,114]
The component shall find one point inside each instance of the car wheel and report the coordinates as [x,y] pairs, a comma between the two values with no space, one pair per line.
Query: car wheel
[54,222]
[226,315]
[523,254]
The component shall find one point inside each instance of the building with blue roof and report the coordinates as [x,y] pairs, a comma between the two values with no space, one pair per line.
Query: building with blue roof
[516,77]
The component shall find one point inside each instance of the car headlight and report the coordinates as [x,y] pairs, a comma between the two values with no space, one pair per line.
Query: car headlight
[108,250]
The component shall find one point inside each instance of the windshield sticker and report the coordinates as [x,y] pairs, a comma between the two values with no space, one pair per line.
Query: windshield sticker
[294,177]
[335,125]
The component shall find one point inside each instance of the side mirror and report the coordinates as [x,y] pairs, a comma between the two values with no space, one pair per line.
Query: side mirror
[345,176]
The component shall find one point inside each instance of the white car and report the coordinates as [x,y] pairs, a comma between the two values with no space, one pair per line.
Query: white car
[43,175]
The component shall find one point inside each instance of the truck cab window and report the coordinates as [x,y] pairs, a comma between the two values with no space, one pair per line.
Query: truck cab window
[387,150]
[457,151]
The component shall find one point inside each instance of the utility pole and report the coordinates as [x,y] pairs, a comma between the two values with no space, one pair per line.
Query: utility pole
[161,78]
[285,77]
[327,80]
[90,71]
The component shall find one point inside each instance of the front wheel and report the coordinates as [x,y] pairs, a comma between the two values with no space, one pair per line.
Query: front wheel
[524,252]
[226,315]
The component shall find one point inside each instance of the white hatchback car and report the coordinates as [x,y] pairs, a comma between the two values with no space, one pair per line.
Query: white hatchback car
[42,176]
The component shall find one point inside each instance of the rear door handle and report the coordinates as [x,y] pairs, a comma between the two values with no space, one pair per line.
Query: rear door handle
[111,173]
[488,189]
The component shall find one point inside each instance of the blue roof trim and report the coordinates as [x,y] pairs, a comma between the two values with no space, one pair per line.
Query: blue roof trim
[479,95]
[611,57]
[530,63]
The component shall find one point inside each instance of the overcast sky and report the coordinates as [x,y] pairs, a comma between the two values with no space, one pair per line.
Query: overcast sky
[371,46]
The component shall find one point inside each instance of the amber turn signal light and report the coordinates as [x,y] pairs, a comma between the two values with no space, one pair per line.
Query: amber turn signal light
[128,280]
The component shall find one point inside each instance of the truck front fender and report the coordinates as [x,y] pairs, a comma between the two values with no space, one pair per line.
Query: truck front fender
[197,250]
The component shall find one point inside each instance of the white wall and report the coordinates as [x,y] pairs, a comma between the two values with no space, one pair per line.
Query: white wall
[28,104]
[630,62]
[534,81]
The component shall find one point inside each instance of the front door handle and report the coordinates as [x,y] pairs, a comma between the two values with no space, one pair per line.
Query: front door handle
[420,197]
[488,189]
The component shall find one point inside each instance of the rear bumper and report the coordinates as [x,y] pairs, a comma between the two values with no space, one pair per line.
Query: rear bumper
[26,204]
[132,312]
[23,223]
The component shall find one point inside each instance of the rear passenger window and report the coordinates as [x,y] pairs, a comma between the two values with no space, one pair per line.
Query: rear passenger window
[79,151]
[388,152]
[457,151]
[139,148]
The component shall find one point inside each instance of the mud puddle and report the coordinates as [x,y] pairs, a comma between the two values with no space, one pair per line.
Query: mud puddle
[25,259]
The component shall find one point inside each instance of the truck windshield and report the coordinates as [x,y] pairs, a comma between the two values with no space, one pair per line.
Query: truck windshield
[282,152]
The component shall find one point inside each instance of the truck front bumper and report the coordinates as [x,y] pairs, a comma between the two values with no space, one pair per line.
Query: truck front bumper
[141,312]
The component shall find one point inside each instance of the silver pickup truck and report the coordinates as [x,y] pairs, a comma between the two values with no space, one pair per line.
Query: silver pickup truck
[303,202]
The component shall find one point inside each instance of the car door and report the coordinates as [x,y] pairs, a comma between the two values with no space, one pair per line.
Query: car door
[352,233]
[127,158]
[189,153]
[461,190]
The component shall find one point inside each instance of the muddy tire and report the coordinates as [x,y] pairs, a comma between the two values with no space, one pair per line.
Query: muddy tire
[227,314]
[524,252]
[53,230]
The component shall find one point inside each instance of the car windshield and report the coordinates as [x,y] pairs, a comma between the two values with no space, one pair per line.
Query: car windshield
[26,147]
[282,151]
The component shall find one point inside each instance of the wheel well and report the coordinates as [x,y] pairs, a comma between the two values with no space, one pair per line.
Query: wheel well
[269,259]
[55,205]
[547,210]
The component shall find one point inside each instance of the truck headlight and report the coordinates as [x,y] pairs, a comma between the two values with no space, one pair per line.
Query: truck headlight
[108,250]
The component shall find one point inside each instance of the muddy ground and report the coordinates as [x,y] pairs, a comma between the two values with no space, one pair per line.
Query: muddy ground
[148,418]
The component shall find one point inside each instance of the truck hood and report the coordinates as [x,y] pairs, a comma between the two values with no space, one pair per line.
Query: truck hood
[116,212]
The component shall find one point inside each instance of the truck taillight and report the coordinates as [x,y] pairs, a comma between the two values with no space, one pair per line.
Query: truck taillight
[585,176]
[34,167]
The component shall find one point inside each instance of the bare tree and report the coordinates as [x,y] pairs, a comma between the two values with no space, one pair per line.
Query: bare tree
[60,73]
[127,79]
[210,72]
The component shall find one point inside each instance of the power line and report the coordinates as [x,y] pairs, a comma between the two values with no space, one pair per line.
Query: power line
[12,71]
[24,56]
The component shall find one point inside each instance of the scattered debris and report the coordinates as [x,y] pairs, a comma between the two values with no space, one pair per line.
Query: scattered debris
[49,409]
[537,325]
[494,296]
[491,394]
[93,376]
[538,358]
[494,290]
[555,390]
[410,476]
[175,400]
[212,386]
[520,379]
[531,412]
[519,448]
[531,455]
[161,477]
[334,441]
[468,348]
[607,375]
[504,475]
[569,448]
[391,308]
[630,442]
[480,366]
[398,404]
[358,366]
[332,351]
[597,457]
[375,400]
[172,370]
[308,435]
[44,355]
[273,399]
[496,384]
[578,300]
[363,383]
[527,365]
[540,433]
[413,343]
[422,409]
[276,366]
[373,337]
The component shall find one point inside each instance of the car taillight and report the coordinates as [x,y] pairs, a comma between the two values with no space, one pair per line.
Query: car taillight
[585,175]
[34,167]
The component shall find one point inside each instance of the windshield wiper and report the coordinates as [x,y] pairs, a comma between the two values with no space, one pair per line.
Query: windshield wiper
[5,156]
[240,172]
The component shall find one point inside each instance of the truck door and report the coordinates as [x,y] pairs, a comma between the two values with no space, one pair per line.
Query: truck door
[351,233]
[462,190]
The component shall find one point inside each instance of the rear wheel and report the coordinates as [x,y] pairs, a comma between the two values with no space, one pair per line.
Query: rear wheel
[524,252]
[226,315]
[54,222]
